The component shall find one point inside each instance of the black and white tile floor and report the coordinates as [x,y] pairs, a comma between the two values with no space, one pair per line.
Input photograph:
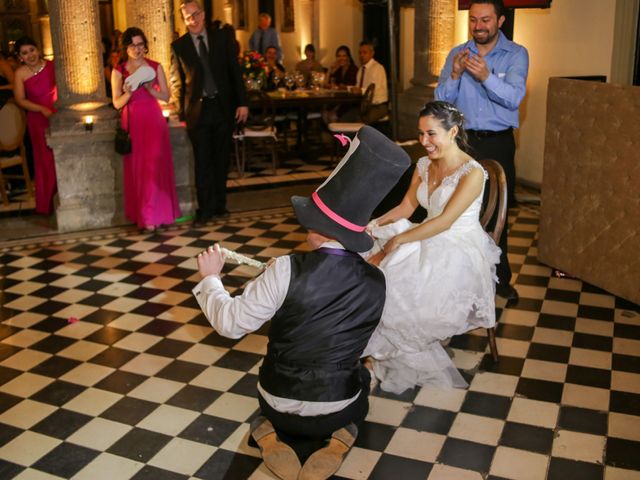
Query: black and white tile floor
[108,370]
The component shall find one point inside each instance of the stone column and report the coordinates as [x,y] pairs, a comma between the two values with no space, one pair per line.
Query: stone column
[155,18]
[45,34]
[306,24]
[434,30]
[75,32]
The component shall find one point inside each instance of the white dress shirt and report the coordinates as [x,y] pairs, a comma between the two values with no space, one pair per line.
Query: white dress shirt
[374,73]
[234,317]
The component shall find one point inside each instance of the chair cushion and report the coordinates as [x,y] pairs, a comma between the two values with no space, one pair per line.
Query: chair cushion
[345,127]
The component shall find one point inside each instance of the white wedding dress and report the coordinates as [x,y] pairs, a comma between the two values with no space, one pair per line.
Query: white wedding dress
[436,288]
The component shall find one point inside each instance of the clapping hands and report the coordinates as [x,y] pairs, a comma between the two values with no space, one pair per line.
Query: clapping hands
[472,63]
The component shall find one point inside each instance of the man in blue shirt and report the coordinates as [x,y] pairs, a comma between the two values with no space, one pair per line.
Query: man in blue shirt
[265,36]
[486,79]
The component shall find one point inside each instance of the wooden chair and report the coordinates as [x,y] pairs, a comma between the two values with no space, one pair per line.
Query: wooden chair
[259,129]
[495,198]
[12,128]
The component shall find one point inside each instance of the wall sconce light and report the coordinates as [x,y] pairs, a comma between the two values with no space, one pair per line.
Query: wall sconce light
[88,123]
[165,114]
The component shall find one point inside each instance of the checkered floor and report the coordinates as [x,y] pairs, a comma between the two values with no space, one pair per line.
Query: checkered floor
[108,370]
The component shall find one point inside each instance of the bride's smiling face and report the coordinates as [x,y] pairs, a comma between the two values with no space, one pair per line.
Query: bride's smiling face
[434,137]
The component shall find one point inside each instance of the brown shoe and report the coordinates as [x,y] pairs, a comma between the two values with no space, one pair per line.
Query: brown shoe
[279,457]
[326,461]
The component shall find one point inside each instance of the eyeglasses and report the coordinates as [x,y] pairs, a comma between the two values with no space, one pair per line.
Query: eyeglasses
[137,45]
[193,16]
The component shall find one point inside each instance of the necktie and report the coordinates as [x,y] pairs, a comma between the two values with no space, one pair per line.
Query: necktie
[362,69]
[210,88]
[261,44]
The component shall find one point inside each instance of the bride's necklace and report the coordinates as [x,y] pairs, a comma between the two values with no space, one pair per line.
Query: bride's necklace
[37,70]
[436,179]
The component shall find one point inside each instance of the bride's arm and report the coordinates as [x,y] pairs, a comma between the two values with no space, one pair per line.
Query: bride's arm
[466,192]
[406,207]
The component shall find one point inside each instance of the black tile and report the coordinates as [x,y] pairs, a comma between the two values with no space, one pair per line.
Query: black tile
[93,285]
[58,393]
[152,473]
[247,386]
[516,332]
[66,460]
[7,401]
[504,365]
[7,351]
[48,292]
[591,377]
[7,330]
[7,374]
[374,436]
[626,331]
[562,295]
[466,455]
[50,324]
[8,433]
[549,353]
[52,344]
[426,419]
[474,343]
[87,259]
[129,410]
[107,335]
[583,420]
[226,465]
[83,248]
[596,313]
[486,405]
[625,363]
[152,310]
[90,272]
[139,444]
[61,423]
[171,259]
[137,278]
[540,390]
[209,429]
[9,470]
[55,367]
[558,322]
[237,360]
[102,317]
[623,402]
[132,266]
[527,304]
[623,304]
[169,348]
[45,265]
[160,327]
[113,357]
[409,395]
[49,308]
[563,469]
[121,382]
[390,466]
[178,272]
[622,453]
[97,300]
[194,398]
[144,293]
[527,437]
[181,371]
[592,342]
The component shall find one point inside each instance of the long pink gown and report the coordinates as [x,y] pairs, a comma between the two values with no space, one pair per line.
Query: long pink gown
[150,196]
[41,89]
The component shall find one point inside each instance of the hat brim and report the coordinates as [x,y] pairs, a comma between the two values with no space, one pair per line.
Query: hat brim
[310,217]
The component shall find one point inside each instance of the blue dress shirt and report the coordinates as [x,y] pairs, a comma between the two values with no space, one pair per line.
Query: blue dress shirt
[492,104]
[270,38]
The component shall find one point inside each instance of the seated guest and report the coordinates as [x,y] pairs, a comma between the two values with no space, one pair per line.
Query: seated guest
[323,306]
[309,64]
[343,72]
[371,72]
[270,58]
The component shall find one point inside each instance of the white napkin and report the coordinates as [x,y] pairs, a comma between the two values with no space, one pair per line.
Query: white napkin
[142,75]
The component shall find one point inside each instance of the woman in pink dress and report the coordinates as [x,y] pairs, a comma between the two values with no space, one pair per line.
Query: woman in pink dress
[150,197]
[35,91]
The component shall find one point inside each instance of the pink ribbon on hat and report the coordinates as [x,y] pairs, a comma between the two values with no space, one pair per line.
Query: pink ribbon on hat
[334,216]
[343,139]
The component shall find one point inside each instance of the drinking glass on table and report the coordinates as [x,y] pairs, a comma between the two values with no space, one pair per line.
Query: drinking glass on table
[289,81]
[300,80]
[276,77]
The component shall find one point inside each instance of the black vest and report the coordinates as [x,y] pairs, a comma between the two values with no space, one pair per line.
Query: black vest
[316,338]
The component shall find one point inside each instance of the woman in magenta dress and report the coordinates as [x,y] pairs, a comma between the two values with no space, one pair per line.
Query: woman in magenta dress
[35,91]
[150,197]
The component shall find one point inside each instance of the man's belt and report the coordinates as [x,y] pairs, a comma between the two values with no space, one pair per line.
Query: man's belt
[490,133]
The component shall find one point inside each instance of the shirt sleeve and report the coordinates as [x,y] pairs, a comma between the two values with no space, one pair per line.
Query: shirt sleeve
[448,88]
[234,317]
[509,89]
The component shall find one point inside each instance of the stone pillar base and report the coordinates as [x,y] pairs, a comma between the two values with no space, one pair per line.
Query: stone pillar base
[410,103]
[90,174]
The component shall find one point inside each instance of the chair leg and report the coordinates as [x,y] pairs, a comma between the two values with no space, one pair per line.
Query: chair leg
[491,332]
[274,156]
[239,165]
[3,191]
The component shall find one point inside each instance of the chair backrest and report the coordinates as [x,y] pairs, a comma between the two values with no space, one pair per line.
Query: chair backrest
[12,125]
[367,98]
[495,198]
[262,114]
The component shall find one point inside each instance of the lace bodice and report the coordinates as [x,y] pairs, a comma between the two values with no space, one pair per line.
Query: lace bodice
[441,195]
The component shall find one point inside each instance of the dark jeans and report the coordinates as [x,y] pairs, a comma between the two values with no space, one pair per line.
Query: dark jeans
[308,434]
[211,141]
[501,148]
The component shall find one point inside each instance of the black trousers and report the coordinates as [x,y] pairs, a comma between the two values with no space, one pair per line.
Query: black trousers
[308,434]
[501,148]
[211,141]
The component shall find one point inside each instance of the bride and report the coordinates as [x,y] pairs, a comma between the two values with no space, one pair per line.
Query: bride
[440,273]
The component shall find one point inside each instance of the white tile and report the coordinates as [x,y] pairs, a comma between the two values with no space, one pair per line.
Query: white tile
[624,426]
[422,446]
[625,381]
[87,374]
[441,398]
[552,336]
[182,456]
[494,383]
[441,471]
[82,350]
[233,407]
[157,390]
[533,412]
[594,327]
[99,434]
[137,342]
[28,447]
[519,464]
[25,359]
[579,446]
[92,401]
[542,370]
[585,397]
[168,420]
[358,464]
[237,442]
[24,338]
[590,358]
[190,333]
[476,429]
[221,379]
[109,467]
[203,354]
[387,411]
[613,473]
[26,384]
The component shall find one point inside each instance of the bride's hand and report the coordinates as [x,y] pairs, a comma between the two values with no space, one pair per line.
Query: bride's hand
[370,226]
[392,244]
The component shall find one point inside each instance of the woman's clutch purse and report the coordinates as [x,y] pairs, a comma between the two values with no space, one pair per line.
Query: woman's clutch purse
[142,75]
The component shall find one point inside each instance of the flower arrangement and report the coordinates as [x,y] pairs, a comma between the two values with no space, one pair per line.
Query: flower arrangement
[253,65]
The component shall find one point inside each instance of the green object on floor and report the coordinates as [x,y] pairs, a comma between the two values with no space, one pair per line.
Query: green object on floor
[186,218]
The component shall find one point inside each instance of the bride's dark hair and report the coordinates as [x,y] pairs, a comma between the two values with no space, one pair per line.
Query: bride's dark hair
[449,116]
